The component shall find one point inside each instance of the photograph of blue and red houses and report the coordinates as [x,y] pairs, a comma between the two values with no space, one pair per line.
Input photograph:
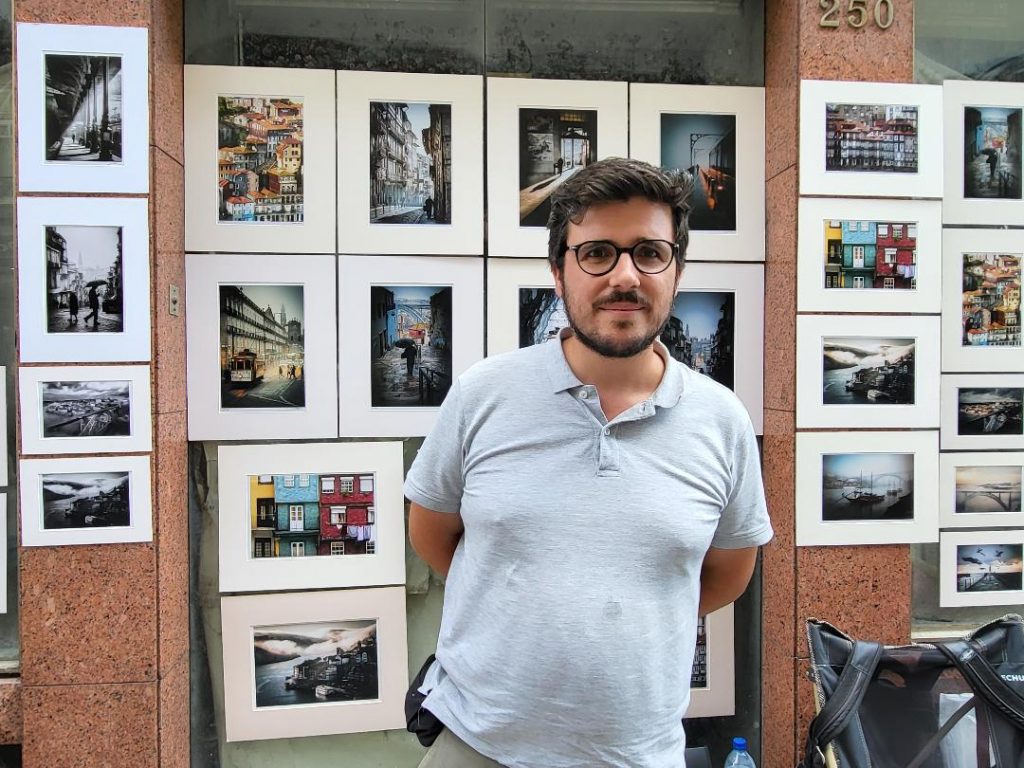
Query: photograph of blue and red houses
[306,515]
[870,254]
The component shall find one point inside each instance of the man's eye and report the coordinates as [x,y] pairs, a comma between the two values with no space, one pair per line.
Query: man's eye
[599,252]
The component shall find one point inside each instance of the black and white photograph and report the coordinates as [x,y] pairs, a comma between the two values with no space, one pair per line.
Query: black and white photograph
[989,411]
[992,152]
[262,358]
[541,316]
[83,108]
[86,408]
[986,567]
[84,286]
[869,371]
[987,489]
[871,137]
[867,486]
[701,333]
[553,145]
[86,500]
[705,146]
[410,163]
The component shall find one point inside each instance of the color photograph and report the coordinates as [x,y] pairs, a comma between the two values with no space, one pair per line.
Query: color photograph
[262,359]
[553,145]
[989,410]
[541,316]
[701,333]
[83,279]
[260,155]
[705,146]
[85,408]
[992,159]
[991,300]
[410,163]
[867,486]
[870,254]
[987,489]
[988,567]
[871,137]
[83,108]
[85,500]
[867,371]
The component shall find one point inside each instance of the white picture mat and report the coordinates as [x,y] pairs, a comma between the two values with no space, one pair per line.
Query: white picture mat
[240,614]
[505,97]
[3,420]
[949,404]
[812,296]
[355,276]
[957,209]
[956,356]
[948,516]
[718,699]
[35,174]
[3,552]
[811,331]
[207,420]
[465,234]
[240,572]
[140,438]
[203,230]
[811,530]
[140,498]
[815,180]
[647,102]
[948,543]
[37,345]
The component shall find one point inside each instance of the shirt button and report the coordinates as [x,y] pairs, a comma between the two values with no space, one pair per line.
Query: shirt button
[584,394]
[607,431]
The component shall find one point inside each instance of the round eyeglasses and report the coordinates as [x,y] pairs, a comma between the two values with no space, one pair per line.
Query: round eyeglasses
[599,257]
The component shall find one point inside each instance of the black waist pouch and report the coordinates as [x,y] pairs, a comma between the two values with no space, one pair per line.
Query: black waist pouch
[417,719]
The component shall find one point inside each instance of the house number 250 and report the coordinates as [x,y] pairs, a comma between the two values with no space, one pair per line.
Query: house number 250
[856,13]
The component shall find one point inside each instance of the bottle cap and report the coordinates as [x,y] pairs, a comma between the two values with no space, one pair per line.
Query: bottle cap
[739,743]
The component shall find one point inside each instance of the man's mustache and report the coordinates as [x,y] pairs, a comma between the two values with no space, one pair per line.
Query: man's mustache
[629,297]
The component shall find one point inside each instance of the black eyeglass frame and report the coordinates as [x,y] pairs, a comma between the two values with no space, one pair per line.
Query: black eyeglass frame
[621,249]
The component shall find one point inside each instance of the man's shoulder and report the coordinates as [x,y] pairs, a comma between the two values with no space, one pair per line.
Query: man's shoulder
[521,367]
[712,397]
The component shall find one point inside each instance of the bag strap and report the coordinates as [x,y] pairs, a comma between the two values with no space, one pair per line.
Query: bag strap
[940,734]
[967,656]
[843,704]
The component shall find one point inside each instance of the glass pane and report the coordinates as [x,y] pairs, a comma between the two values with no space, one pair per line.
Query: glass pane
[968,40]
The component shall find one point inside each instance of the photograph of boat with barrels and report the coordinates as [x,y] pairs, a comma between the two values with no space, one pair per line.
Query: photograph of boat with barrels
[989,567]
[989,410]
[867,486]
[867,371]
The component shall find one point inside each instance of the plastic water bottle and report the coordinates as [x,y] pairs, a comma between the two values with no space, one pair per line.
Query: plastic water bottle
[739,757]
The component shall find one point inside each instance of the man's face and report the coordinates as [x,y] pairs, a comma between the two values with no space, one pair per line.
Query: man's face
[621,313]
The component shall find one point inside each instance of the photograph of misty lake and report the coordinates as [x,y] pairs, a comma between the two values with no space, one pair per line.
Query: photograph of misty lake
[867,486]
[988,489]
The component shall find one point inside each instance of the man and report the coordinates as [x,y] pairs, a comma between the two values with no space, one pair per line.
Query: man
[94,307]
[586,498]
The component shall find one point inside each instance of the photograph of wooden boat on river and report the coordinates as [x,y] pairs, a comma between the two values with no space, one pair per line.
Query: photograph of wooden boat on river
[867,371]
[867,486]
[989,411]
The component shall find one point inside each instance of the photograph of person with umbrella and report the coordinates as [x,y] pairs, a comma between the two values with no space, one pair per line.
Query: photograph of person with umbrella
[83,269]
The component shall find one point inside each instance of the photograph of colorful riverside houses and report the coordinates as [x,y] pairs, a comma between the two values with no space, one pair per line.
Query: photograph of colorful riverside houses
[870,254]
[871,137]
[991,300]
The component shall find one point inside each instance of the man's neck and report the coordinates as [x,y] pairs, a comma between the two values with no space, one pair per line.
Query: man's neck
[621,382]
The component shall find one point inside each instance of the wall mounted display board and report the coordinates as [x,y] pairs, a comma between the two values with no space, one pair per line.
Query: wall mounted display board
[981,331]
[870,139]
[85,500]
[713,680]
[982,152]
[982,412]
[310,516]
[867,371]
[869,255]
[981,568]
[343,651]
[409,326]
[539,133]
[866,488]
[84,93]
[981,490]
[717,134]
[83,279]
[259,159]
[522,308]
[262,346]
[86,409]
[410,163]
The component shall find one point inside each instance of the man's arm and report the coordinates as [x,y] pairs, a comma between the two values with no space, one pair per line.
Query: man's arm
[724,576]
[434,536]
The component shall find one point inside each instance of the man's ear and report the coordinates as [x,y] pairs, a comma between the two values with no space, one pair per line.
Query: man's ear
[556,274]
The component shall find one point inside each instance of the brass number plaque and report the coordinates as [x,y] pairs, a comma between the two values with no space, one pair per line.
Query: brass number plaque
[856,13]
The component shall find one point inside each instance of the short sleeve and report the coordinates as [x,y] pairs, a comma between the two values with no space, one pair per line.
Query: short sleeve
[435,480]
[744,521]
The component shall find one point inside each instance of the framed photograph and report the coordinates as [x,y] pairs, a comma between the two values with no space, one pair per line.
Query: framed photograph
[262,346]
[981,568]
[410,326]
[83,276]
[310,516]
[869,255]
[870,139]
[410,163]
[259,159]
[86,409]
[717,134]
[981,300]
[522,308]
[981,490]
[539,133]
[867,371]
[866,488]
[314,663]
[982,412]
[982,152]
[84,92]
[85,500]
[713,679]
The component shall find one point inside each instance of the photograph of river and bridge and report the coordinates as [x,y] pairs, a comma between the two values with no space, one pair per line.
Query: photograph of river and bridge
[988,489]
[867,486]
[988,567]
[989,410]
[867,371]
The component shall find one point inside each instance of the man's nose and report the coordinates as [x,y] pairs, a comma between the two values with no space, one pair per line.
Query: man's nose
[625,273]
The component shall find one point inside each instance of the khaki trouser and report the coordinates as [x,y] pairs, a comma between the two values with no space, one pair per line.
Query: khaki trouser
[449,751]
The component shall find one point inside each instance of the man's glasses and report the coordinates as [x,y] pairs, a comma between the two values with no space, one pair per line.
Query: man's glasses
[599,257]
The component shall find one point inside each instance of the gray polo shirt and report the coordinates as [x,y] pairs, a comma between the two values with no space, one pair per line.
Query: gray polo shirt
[570,609]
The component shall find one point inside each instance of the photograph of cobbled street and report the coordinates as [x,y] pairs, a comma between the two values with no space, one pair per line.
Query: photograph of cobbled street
[83,108]
[304,664]
[871,137]
[259,159]
[989,411]
[86,408]
[864,255]
[701,333]
[992,157]
[541,316]
[867,371]
[83,279]
[410,163]
[553,145]
[989,567]
[410,345]
[704,145]
[262,354]
[867,486]
[307,515]
[85,500]
[988,489]
[991,300]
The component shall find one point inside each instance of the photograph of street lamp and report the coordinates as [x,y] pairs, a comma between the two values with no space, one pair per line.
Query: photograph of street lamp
[83,108]
[705,146]
[553,145]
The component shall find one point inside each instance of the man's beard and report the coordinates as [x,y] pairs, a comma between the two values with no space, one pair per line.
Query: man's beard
[607,348]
